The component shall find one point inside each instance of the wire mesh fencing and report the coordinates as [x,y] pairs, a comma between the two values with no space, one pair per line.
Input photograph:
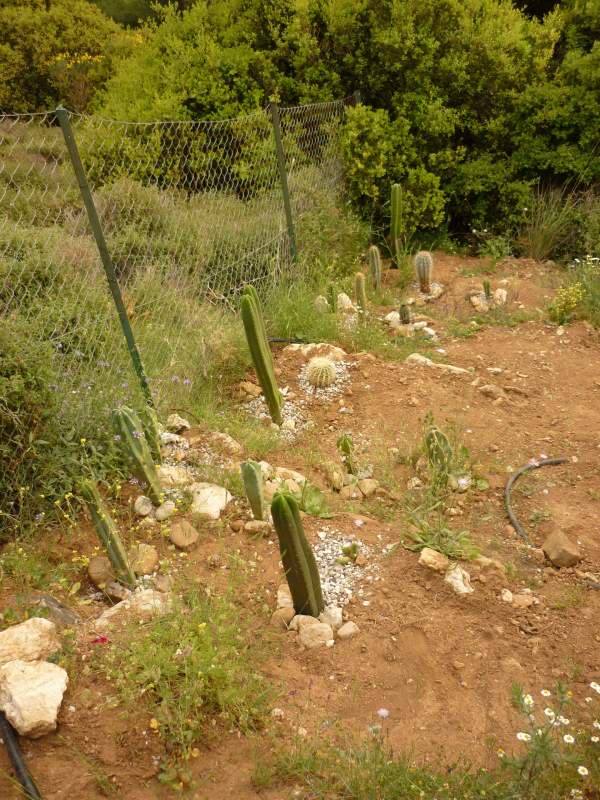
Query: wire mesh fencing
[190,212]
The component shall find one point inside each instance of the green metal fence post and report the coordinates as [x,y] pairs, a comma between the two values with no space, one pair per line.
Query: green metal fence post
[65,124]
[284,181]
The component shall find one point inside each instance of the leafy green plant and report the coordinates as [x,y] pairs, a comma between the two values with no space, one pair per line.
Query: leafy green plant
[566,302]
[437,535]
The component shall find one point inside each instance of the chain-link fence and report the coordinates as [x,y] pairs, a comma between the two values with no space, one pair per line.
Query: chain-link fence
[189,211]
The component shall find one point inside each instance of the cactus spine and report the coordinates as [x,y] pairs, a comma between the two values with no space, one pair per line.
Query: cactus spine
[424,269]
[253,484]
[107,532]
[404,314]
[320,372]
[396,222]
[487,290]
[360,291]
[297,556]
[130,434]
[258,345]
[149,422]
[374,257]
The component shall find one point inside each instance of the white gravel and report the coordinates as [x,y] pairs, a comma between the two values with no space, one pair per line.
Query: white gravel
[341,582]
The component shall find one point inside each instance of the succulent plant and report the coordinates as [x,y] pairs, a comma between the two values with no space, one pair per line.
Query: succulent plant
[424,270]
[107,532]
[487,290]
[260,351]
[332,297]
[396,222]
[149,422]
[253,484]
[374,258]
[320,372]
[132,442]
[360,291]
[345,445]
[298,560]
[405,314]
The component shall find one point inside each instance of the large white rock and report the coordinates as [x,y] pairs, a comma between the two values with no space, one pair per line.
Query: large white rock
[144,604]
[316,635]
[459,579]
[208,499]
[417,358]
[31,694]
[177,424]
[301,621]
[32,640]
[285,474]
[344,304]
[332,615]
[348,631]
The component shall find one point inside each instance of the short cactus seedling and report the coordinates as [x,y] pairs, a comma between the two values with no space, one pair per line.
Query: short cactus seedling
[424,270]
[360,291]
[253,484]
[107,532]
[320,372]
[405,314]
[374,258]
[487,291]
[129,433]
[297,556]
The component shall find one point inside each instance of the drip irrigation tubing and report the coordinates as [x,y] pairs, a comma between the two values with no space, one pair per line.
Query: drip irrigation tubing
[8,736]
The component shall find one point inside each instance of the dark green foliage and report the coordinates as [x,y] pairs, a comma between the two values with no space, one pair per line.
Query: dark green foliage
[297,556]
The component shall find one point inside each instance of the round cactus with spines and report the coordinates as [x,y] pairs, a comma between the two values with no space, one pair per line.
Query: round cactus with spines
[320,372]
[424,270]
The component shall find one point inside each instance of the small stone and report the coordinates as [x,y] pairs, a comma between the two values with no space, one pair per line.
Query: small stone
[332,615]
[282,617]
[166,510]
[115,591]
[143,506]
[491,390]
[31,694]
[183,534]
[250,389]
[270,489]
[417,358]
[300,621]
[214,561]
[344,304]
[523,600]
[177,424]
[433,560]
[257,527]
[172,476]
[147,523]
[163,583]
[59,612]
[32,640]
[348,630]
[284,474]
[237,525]
[479,303]
[208,499]
[360,560]
[277,713]
[284,597]
[560,550]
[143,559]
[143,604]
[226,443]
[100,571]
[321,304]
[506,596]
[500,297]
[315,635]
[459,580]
[351,492]
[288,425]
[292,486]
[368,486]
[414,483]
[489,563]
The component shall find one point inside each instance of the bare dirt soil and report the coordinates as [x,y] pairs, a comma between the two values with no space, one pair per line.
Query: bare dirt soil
[442,664]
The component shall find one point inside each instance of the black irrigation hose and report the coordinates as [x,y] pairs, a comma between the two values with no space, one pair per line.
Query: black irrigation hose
[9,738]
[543,462]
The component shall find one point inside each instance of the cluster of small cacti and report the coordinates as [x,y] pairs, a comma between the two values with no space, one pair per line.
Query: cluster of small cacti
[107,532]
[405,314]
[298,560]
[129,433]
[374,258]
[258,344]
[321,372]
[253,484]
[396,222]
[424,269]
[361,291]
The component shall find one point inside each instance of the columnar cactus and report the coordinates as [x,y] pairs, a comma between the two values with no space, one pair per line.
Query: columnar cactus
[405,314]
[360,291]
[297,557]
[320,372]
[149,422]
[260,351]
[130,435]
[253,484]
[487,290]
[374,258]
[396,222]
[424,270]
[107,532]
[332,297]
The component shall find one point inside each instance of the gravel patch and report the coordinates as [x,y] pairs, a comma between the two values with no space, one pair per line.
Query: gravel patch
[294,415]
[341,582]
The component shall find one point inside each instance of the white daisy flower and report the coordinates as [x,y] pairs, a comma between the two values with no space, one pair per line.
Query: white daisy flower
[595,686]
[595,739]
[523,737]
[569,739]
[596,724]
[549,713]
[545,693]
[563,720]
[583,770]
[528,700]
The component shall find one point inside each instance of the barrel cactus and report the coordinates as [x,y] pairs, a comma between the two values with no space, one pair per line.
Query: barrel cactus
[405,314]
[374,258]
[297,556]
[424,270]
[129,433]
[320,372]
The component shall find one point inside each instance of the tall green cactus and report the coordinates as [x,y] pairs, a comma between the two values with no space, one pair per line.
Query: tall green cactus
[374,258]
[396,223]
[332,297]
[260,351]
[424,270]
[253,484]
[487,290]
[149,422]
[107,532]
[130,435]
[297,556]
[360,291]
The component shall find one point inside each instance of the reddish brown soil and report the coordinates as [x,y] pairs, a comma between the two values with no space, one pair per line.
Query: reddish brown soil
[442,664]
